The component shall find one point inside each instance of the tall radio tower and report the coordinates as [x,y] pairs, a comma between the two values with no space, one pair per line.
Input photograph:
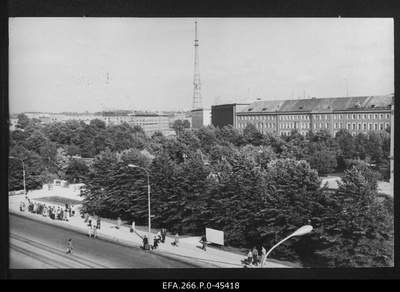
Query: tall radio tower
[197,102]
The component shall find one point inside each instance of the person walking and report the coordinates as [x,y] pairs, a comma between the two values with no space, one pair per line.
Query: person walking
[163,234]
[145,242]
[90,231]
[155,242]
[69,247]
[94,232]
[118,223]
[249,257]
[176,241]
[255,256]
[204,242]
[263,254]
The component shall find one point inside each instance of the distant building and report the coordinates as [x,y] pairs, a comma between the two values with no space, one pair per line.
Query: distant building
[200,118]
[149,122]
[356,114]
[225,114]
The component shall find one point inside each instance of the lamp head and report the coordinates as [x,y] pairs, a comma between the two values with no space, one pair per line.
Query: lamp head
[303,230]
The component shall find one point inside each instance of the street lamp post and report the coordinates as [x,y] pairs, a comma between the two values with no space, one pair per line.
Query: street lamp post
[148,194]
[299,232]
[23,172]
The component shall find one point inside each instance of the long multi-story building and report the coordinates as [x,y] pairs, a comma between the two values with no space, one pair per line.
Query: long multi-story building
[149,122]
[359,114]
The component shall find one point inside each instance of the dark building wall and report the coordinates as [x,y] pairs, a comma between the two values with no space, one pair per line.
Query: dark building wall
[222,116]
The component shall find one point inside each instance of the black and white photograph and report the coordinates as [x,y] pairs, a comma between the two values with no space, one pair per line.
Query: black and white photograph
[236,144]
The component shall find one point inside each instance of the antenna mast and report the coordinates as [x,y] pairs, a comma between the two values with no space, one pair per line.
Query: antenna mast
[197,102]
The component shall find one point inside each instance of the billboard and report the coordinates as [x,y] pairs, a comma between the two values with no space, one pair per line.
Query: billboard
[215,236]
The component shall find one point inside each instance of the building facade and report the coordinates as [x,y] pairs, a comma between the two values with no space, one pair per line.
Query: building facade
[356,114]
[200,118]
[149,122]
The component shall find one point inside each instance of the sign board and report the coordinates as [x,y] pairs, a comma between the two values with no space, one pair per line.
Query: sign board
[215,236]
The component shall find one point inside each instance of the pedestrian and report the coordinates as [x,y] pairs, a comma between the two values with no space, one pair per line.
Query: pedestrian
[145,242]
[98,223]
[249,257]
[176,242]
[66,216]
[263,254]
[204,242]
[94,232]
[133,226]
[22,206]
[90,231]
[163,234]
[118,223]
[69,246]
[45,211]
[255,256]
[86,216]
[155,242]
[159,235]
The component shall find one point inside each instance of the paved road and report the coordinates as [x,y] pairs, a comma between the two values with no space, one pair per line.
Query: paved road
[36,245]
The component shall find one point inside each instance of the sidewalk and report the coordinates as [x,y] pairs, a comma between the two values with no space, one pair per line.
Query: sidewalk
[188,249]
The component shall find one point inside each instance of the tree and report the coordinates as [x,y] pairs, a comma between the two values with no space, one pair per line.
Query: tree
[252,135]
[23,121]
[294,191]
[76,171]
[355,230]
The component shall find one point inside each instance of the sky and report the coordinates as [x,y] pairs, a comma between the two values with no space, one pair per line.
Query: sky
[95,64]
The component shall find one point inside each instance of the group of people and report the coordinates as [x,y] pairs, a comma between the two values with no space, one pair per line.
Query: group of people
[254,258]
[53,212]
[92,228]
[159,237]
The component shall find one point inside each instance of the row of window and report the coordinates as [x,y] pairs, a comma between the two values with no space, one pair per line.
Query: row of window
[317,117]
[365,126]
[349,126]
[288,133]
[365,116]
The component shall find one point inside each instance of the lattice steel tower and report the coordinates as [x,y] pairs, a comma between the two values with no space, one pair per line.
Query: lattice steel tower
[197,102]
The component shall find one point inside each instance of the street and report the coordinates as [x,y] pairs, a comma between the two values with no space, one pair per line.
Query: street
[35,245]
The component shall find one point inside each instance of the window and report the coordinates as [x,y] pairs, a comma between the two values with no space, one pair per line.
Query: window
[376,117]
[353,126]
[387,116]
[349,117]
[365,117]
[375,126]
[359,117]
[369,126]
[336,125]
[340,125]
[348,126]
[334,117]
[364,126]
[381,126]
[359,126]
[327,125]
[386,125]
[382,116]
[354,117]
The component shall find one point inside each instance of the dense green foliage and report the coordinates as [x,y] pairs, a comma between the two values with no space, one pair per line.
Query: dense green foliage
[256,188]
